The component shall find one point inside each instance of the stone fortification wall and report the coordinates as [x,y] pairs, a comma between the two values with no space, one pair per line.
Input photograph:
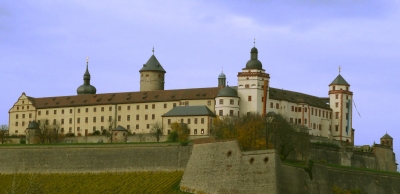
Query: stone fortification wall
[324,178]
[221,167]
[363,160]
[327,154]
[93,158]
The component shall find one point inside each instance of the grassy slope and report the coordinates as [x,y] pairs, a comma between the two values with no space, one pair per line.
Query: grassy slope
[110,182]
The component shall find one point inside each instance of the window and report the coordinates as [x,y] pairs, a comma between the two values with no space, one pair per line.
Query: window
[336,96]
[128,127]
[16,123]
[119,117]
[70,129]
[94,109]
[110,108]
[333,88]
[145,117]
[299,121]
[319,113]
[305,121]
[173,105]
[347,105]
[86,119]
[86,109]
[246,86]
[22,107]
[347,116]
[147,126]
[70,120]
[195,131]
[337,115]
[137,126]
[292,108]
[165,105]
[336,104]
[16,131]
[181,120]
[94,128]
[347,88]
[30,115]
[54,121]
[249,98]
[146,106]
[271,105]
[186,103]
[195,120]
[188,121]
[153,106]
[128,107]
[347,97]
[202,121]
[202,131]
[137,117]
[78,120]
[27,107]
[221,113]
[47,112]
[231,102]
[79,110]
[109,119]
[128,117]
[330,115]
[169,121]
[305,109]
[17,107]
[323,113]
[312,111]
[291,120]
[23,123]
[94,119]
[78,129]
[62,111]
[221,101]
[16,116]
[277,106]
[230,112]
[62,121]
[314,126]
[209,102]
[102,109]
[153,116]
[336,127]
[70,110]
[39,112]
[102,118]
[119,107]
[320,127]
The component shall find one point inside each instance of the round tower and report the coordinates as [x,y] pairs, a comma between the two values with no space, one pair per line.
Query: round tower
[340,100]
[152,75]
[31,132]
[227,102]
[86,88]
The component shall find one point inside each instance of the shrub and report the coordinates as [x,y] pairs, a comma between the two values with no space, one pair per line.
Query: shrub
[97,132]
[173,136]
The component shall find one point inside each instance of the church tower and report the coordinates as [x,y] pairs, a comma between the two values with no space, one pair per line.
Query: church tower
[340,100]
[86,88]
[152,75]
[253,85]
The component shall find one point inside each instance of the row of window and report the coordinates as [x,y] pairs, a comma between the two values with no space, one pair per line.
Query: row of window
[22,107]
[347,88]
[189,121]
[221,113]
[231,101]
[23,116]
[194,131]
[337,95]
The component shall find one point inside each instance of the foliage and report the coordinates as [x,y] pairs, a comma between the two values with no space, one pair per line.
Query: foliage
[157,129]
[254,131]
[110,182]
[326,144]
[173,136]
[97,132]
[70,135]
[3,133]
[48,133]
[182,130]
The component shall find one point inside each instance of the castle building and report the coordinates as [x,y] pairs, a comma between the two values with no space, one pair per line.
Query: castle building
[86,112]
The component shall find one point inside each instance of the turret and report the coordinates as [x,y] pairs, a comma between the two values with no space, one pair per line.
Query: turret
[152,75]
[221,80]
[86,88]
[387,140]
[340,100]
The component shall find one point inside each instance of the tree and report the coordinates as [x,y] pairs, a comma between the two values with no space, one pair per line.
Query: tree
[157,130]
[182,130]
[48,133]
[111,127]
[3,133]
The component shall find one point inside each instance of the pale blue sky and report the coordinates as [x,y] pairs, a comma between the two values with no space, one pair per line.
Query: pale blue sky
[44,44]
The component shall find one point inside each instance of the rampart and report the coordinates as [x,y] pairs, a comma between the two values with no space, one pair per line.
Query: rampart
[94,158]
[221,167]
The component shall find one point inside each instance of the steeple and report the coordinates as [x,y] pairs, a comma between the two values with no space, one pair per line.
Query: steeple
[86,88]
[254,63]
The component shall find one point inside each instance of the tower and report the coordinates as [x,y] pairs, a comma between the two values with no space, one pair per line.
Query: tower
[86,88]
[152,75]
[340,100]
[221,80]
[387,140]
[253,85]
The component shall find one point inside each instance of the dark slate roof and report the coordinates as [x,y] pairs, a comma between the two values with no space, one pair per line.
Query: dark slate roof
[152,65]
[296,97]
[227,92]
[120,128]
[339,80]
[125,97]
[222,75]
[386,136]
[189,111]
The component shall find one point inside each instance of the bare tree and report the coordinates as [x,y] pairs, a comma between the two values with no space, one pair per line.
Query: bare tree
[111,127]
[157,130]
[3,133]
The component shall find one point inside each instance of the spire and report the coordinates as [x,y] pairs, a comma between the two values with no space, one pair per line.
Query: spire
[339,69]
[254,42]
[86,76]
[86,88]
[153,50]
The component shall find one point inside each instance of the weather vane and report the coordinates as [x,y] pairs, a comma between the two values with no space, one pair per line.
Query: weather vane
[339,69]
[153,50]
[87,59]
[254,42]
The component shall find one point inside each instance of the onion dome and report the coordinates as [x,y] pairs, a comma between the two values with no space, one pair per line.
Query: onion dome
[227,92]
[86,88]
[222,75]
[254,63]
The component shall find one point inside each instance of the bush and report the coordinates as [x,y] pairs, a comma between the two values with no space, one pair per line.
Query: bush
[22,141]
[69,135]
[173,136]
[96,132]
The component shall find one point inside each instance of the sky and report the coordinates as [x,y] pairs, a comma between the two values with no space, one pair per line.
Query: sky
[301,44]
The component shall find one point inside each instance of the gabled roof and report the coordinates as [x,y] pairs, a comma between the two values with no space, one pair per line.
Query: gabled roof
[189,111]
[296,97]
[386,136]
[339,80]
[152,65]
[125,97]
